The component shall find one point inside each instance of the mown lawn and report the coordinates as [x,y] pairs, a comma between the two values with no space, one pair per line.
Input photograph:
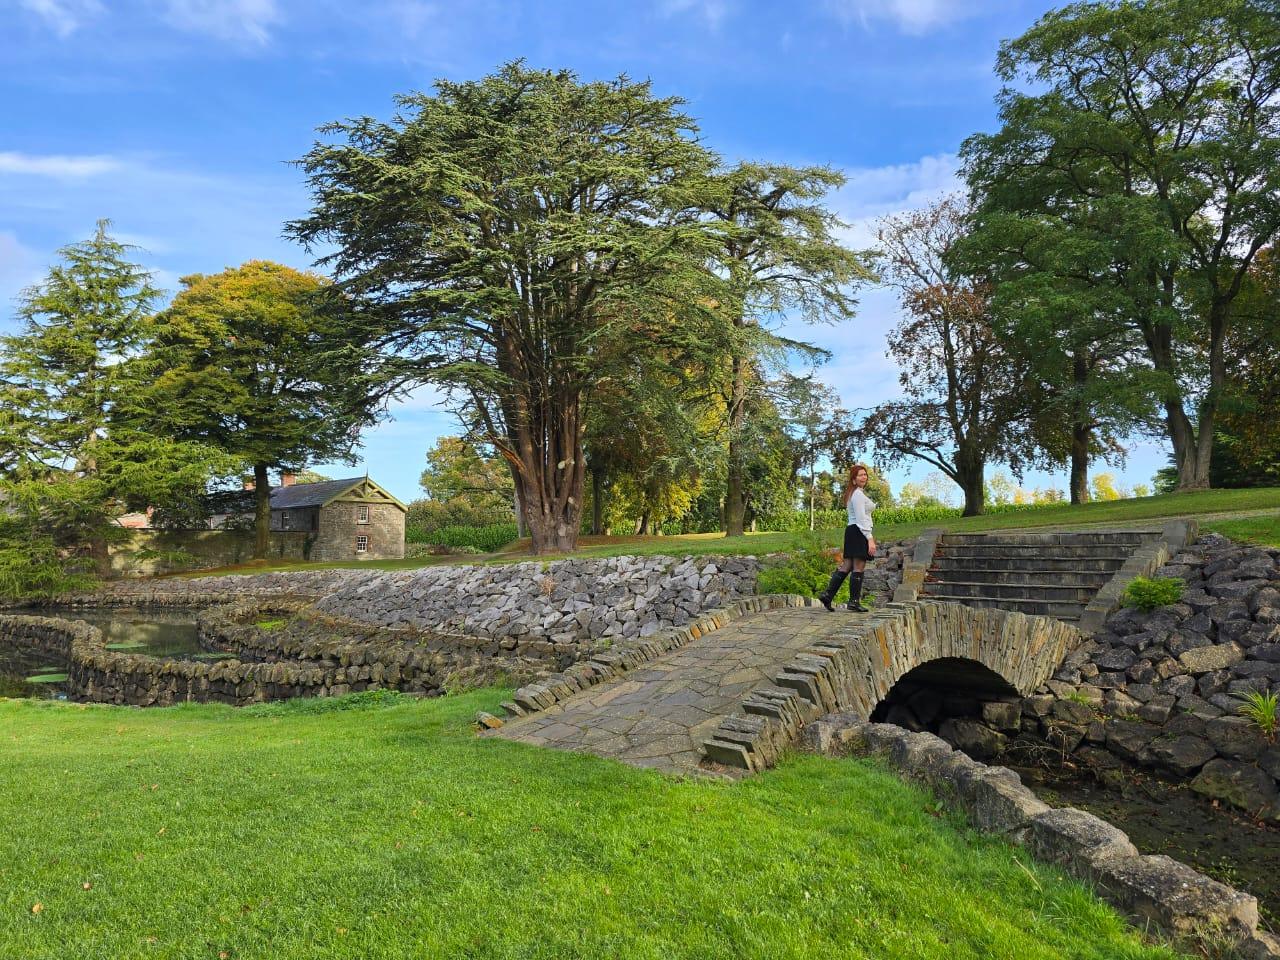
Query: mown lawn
[1119,512]
[1264,531]
[350,829]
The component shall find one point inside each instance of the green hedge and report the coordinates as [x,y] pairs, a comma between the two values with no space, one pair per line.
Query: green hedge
[797,521]
[486,539]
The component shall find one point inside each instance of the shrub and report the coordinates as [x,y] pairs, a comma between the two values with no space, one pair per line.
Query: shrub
[805,571]
[1147,593]
[486,539]
[1261,709]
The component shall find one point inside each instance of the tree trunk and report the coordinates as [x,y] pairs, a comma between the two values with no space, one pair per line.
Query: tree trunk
[970,474]
[261,512]
[1080,434]
[642,528]
[552,474]
[813,486]
[735,499]
[597,503]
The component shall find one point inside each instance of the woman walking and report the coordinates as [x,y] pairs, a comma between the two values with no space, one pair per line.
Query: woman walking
[859,544]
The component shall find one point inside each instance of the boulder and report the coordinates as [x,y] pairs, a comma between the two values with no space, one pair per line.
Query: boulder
[1002,715]
[1240,784]
[974,738]
[1206,659]
[1235,737]
[1076,840]
[1171,896]
[1183,755]
[1129,739]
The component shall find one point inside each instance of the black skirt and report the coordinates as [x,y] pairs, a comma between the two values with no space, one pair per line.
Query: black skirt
[855,544]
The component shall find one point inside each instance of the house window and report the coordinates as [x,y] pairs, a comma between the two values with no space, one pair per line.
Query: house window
[362,513]
[362,544]
[285,522]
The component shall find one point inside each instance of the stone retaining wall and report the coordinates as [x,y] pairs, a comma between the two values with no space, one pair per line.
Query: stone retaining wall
[311,659]
[1153,891]
[1162,689]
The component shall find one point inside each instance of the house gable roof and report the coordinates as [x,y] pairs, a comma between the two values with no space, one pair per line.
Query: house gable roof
[326,491]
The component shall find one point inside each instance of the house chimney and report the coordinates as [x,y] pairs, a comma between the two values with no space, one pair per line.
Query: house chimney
[288,479]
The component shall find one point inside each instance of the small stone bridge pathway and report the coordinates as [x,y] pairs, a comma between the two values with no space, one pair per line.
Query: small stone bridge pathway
[659,714]
[738,694]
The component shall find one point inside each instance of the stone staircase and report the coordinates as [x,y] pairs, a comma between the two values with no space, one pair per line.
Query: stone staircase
[1046,574]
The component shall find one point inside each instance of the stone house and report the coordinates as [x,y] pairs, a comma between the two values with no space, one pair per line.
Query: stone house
[351,519]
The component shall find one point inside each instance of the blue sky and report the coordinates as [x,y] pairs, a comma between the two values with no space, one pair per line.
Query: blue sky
[177,120]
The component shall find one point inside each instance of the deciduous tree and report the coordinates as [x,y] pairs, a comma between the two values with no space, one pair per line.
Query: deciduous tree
[967,398]
[1145,137]
[258,362]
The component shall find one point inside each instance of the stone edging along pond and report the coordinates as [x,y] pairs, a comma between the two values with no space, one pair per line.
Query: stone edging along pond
[316,658]
[1153,891]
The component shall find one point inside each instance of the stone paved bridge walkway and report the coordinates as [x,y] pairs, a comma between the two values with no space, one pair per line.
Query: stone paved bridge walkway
[659,714]
[745,689]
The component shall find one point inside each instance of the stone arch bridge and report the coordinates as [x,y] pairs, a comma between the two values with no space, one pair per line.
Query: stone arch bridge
[735,688]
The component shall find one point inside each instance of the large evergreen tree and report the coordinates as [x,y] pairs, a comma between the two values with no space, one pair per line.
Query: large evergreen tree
[779,256]
[502,233]
[258,361]
[76,447]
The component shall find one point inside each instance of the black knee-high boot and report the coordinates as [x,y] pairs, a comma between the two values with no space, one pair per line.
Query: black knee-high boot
[833,587]
[855,594]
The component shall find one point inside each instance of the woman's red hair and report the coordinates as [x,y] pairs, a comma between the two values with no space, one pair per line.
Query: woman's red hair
[852,483]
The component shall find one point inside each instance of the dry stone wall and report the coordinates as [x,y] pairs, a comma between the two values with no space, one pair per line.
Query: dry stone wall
[1160,690]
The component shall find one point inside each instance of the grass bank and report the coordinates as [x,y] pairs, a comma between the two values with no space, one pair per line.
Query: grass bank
[1214,506]
[387,830]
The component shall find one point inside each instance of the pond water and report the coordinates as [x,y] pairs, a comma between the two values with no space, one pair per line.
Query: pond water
[166,633]
[1165,817]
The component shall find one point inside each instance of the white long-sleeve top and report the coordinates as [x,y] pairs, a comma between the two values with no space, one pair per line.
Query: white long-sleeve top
[859,509]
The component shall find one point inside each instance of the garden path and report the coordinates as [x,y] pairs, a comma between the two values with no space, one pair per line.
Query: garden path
[659,715]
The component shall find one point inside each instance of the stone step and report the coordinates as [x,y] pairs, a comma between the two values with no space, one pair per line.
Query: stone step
[1065,592]
[1095,551]
[1068,574]
[1044,564]
[1044,608]
[1127,538]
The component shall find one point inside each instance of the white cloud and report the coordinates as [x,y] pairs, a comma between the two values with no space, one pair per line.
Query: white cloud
[910,16]
[239,21]
[714,12]
[58,166]
[63,17]
[870,193]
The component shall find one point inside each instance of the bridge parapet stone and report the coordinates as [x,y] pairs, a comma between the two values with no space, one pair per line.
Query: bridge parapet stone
[855,669]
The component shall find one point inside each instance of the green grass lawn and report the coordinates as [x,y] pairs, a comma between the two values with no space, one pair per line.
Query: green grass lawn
[1147,510]
[377,831]
[1264,531]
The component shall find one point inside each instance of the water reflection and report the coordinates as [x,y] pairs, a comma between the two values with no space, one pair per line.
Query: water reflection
[162,633]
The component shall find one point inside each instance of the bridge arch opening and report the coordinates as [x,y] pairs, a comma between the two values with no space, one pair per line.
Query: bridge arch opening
[961,700]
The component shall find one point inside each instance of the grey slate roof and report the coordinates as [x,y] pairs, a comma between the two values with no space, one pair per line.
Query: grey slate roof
[310,494]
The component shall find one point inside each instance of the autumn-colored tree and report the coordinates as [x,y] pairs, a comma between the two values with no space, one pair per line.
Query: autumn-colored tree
[257,361]
[968,399]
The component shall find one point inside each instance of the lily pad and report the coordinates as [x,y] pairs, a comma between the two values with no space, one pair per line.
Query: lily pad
[125,645]
[47,678]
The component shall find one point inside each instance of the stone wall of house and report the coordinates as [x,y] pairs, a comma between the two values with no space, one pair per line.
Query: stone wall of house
[148,552]
[340,526]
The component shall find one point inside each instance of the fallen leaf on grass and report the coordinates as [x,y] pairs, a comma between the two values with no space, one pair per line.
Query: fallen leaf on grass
[37,908]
